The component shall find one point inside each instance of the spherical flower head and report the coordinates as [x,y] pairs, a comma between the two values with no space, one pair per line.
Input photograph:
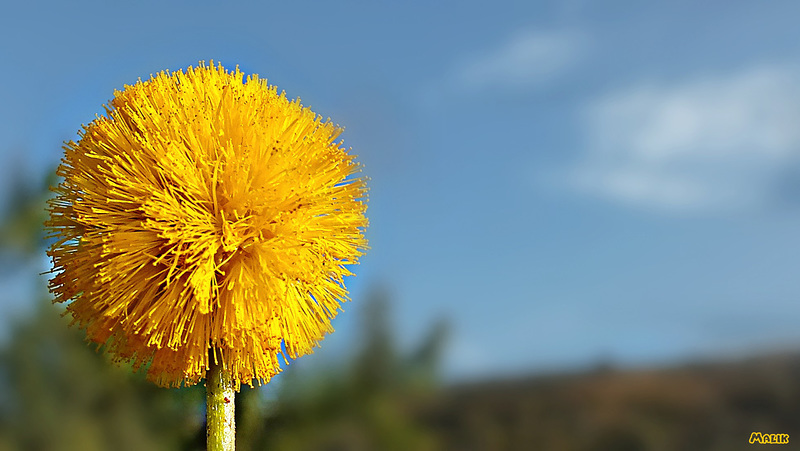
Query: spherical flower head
[204,218]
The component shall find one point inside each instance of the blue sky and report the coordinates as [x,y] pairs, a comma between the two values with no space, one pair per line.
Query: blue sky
[563,181]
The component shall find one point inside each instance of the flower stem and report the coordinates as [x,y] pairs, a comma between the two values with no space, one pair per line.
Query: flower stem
[220,424]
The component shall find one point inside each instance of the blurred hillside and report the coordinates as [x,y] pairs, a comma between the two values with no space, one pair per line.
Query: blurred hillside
[58,393]
[702,406]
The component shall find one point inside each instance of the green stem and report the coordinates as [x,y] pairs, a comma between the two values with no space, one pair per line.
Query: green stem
[221,427]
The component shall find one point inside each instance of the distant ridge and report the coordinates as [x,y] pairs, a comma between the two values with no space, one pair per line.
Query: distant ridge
[700,405]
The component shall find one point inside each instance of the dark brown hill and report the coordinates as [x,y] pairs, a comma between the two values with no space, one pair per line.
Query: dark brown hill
[709,406]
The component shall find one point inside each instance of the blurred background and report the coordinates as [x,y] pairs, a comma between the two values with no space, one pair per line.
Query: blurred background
[584,222]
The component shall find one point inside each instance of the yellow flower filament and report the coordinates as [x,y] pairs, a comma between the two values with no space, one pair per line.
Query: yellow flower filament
[204,213]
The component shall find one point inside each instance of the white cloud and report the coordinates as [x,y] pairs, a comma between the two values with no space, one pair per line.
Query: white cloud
[711,142]
[527,59]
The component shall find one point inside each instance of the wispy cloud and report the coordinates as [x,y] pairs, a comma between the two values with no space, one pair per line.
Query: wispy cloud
[528,59]
[711,142]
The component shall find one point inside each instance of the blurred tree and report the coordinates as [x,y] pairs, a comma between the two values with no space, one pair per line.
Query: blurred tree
[22,226]
[376,367]
[423,365]
[369,404]
[60,394]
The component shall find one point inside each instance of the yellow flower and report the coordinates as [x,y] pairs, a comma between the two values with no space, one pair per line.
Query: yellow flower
[205,216]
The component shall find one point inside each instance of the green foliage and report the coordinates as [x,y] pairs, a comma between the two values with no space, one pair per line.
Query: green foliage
[22,226]
[367,404]
[61,394]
